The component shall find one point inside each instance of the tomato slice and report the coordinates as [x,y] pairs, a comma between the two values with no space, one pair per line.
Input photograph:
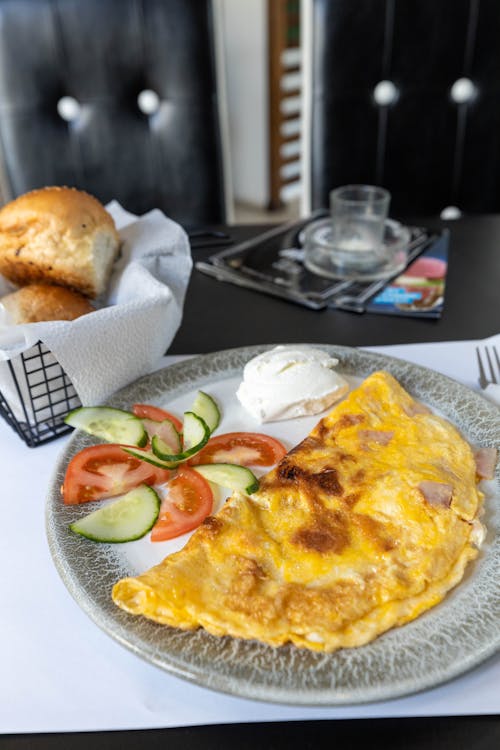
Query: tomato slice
[105,471]
[147,411]
[243,448]
[188,502]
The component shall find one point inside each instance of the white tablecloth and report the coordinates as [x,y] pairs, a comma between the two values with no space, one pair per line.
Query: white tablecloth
[59,672]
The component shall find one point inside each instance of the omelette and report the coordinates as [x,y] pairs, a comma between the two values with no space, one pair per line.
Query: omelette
[364,525]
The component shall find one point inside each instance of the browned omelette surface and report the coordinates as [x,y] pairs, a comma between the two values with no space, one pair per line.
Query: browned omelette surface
[364,525]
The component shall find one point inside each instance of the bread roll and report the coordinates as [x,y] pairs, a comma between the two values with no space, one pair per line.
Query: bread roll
[37,302]
[58,235]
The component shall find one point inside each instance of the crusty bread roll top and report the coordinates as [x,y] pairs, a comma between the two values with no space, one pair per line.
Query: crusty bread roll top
[58,235]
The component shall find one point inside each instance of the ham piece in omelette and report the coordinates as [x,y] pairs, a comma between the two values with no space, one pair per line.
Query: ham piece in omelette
[363,526]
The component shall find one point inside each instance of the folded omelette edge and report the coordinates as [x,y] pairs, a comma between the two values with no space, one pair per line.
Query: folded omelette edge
[364,525]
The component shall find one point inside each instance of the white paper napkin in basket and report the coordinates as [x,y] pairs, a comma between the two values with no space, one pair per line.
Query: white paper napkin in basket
[136,320]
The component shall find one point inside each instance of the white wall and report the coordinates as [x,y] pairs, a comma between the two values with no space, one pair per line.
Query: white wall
[244,30]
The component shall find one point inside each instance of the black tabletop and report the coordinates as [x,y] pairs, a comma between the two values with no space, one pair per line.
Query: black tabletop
[219,316]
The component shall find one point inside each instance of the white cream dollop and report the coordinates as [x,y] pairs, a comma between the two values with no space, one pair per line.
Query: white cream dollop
[290,381]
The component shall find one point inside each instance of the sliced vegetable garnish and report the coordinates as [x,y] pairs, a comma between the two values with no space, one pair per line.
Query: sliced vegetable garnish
[102,471]
[134,467]
[113,425]
[244,448]
[166,430]
[206,408]
[148,411]
[230,476]
[150,458]
[188,502]
[124,520]
[195,433]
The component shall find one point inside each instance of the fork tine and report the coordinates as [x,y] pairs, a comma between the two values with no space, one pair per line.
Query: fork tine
[495,352]
[493,377]
[483,381]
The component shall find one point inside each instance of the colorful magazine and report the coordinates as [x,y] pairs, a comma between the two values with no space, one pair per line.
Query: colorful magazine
[419,290]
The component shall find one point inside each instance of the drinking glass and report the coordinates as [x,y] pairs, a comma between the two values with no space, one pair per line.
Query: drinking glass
[358,215]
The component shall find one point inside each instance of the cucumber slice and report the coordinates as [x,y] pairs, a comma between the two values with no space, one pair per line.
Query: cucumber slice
[232,476]
[113,425]
[196,434]
[166,431]
[150,457]
[126,519]
[205,407]
[195,431]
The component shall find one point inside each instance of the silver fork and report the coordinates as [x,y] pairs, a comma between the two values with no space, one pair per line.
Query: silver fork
[487,364]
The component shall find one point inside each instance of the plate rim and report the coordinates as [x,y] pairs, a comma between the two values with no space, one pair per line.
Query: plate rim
[198,675]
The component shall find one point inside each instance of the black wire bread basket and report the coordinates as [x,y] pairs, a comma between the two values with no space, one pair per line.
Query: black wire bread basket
[45,395]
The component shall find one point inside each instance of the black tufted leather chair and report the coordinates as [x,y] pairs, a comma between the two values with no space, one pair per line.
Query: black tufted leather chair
[103,54]
[431,141]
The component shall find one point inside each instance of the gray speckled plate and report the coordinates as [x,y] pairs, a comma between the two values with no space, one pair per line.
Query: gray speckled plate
[444,642]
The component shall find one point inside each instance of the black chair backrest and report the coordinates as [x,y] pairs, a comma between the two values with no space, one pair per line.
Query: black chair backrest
[103,54]
[434,140]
